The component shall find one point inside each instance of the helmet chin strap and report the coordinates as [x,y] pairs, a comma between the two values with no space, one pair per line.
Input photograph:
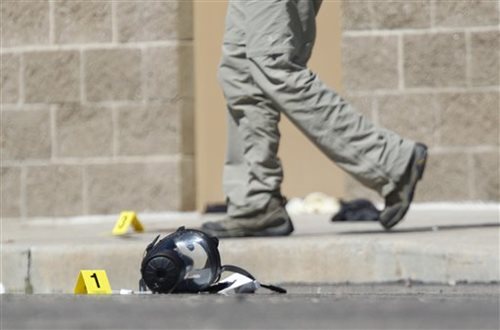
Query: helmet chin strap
[239,270]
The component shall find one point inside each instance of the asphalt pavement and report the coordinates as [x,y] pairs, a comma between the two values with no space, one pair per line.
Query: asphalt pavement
[396,306]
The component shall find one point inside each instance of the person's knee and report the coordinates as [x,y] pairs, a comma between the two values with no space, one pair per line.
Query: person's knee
[277,73]
[226,79]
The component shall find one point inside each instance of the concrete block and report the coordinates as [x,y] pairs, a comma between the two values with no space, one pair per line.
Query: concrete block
[113,75]
[396,261]
[370,63]
[353,260]
[401,14]
[25,23]
[149,21]
[412,116]
[473,267]
[82,22]
[305,260]
[15,269]
[26,134]
[428,266]
[169,72]
[149,130]
[485,58]
[52,76]
[446,178]
[84,131]
[357,15]
[10,192]
[436,59]
[148,187]
[486,176]
[55,190]
[55,269]
[295,259]
[10,78]
[466,13]
[469,119]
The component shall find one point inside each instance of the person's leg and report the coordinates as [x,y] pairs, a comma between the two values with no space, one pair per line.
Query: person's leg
[278,52]
[252,170]
[377,157]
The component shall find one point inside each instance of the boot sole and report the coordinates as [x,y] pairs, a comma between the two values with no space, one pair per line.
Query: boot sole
[284,229]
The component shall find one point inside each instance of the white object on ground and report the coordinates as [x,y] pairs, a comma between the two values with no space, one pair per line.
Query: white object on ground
[238,280]
[295,206]
[2,289]
[321,203]
[314,203]
[126,291]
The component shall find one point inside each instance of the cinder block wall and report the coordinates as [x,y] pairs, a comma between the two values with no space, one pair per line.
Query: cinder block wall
[97,107]
[430,71]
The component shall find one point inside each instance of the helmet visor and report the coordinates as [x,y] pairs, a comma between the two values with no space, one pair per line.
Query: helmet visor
[194,251]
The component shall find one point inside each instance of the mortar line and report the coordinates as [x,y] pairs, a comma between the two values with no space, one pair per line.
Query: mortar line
[53,132]
[114,23]
[52,32]
[423,31]
[468,72]
[124,103]
[372,14]
[22,93]
[144,88]
[96,46]
[131,103]
[96,160]
[83,91]
[463,149]
[432,13]
[425,90]
[25,107]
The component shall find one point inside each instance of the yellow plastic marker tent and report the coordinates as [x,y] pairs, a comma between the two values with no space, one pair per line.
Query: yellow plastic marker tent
[126,219]
[92,282]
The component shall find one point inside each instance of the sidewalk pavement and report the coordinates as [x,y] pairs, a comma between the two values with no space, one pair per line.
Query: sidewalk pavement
[435,244]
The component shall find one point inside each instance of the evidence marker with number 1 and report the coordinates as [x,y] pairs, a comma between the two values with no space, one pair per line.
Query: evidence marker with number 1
[92,281]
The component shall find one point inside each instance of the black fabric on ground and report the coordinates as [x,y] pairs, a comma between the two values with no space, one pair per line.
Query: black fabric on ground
[357,210]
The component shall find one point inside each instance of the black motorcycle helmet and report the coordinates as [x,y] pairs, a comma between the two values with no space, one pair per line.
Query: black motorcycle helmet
[185,261]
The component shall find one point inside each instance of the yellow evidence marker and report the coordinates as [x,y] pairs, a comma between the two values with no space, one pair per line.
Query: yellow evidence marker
[92,282]
[126,219]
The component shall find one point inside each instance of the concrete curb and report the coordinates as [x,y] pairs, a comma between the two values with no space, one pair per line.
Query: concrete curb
[318,252]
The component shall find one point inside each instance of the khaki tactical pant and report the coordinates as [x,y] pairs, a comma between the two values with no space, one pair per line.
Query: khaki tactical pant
[263,73]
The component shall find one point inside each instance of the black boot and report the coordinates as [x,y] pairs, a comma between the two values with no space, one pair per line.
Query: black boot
[399,200]
[272,221]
